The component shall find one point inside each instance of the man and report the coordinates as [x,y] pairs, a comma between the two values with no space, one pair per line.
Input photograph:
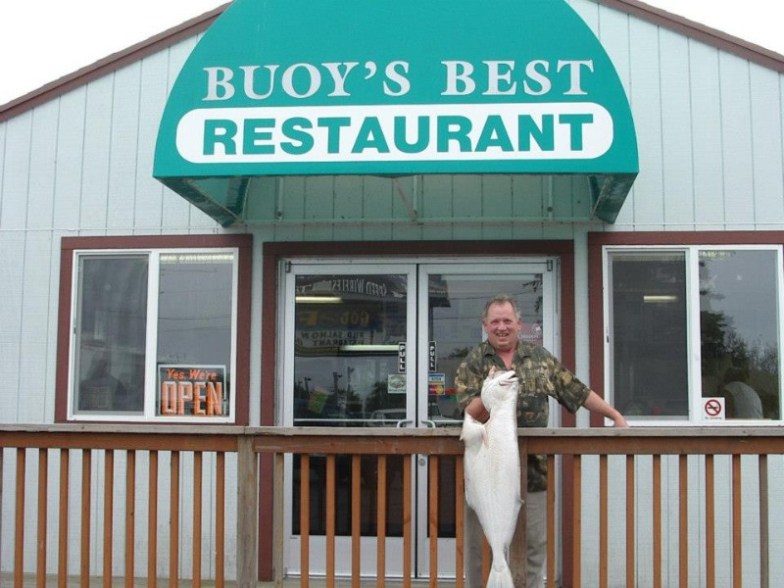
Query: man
[540,376]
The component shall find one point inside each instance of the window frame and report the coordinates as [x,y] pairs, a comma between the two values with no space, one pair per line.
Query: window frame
[691,254]
[72,247]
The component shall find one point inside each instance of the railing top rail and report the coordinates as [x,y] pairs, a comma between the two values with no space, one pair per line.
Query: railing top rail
[563,441]
[121,437]
[454,431]
[389,440]
[533,432]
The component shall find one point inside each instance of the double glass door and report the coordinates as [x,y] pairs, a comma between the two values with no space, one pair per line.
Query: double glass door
[377,345]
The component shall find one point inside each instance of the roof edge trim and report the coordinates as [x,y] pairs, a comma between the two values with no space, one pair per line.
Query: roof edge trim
[110,63]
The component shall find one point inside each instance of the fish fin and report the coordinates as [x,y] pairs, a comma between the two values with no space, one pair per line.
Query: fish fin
[473,431]
[500,575]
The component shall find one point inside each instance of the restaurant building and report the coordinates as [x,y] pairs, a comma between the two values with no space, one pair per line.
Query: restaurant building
[291,213]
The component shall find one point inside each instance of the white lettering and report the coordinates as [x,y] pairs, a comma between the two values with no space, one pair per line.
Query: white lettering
[383,133]
[249,78]
[218,83]
[313,74]
[458,72]
[500,71]
[575,88]
[337,78]
[395,72]
[539,77]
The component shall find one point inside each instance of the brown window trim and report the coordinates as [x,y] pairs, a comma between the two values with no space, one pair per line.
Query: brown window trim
[244,245]
[596,243]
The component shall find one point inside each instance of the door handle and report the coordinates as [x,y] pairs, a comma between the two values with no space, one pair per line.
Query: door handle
[404,424]
[428,423]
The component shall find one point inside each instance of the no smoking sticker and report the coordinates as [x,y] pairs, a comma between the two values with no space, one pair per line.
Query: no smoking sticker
[713,409]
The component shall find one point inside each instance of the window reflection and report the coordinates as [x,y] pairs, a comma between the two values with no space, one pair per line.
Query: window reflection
[111,334]
[739,331]
[191,331]
[347,349]
[735,293]
[649,334]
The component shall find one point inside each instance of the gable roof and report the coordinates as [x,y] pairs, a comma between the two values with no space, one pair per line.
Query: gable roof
[194,26]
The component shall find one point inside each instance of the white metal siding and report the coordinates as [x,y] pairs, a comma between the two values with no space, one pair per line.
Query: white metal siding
[709,129]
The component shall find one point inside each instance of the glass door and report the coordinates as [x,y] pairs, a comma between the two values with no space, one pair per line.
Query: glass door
[376,345]
[451,302]
[349,331]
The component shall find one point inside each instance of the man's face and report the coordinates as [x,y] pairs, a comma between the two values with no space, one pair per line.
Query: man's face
[502,326]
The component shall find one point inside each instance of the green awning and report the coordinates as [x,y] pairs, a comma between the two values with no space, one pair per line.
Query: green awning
[398,92]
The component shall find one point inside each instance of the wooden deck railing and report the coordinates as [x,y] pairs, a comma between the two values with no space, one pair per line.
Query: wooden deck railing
[638,507]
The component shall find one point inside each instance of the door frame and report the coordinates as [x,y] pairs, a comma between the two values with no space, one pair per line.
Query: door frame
[273,253]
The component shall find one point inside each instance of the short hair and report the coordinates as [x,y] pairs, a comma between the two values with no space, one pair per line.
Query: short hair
[502,299]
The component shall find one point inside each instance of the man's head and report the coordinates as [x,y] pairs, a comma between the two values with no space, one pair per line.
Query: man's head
[502,322]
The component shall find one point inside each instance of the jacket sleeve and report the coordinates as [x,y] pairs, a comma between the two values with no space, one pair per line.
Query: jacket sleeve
[469,378]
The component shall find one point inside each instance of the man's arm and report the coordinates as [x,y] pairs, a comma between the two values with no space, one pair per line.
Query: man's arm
[476,409]
[596,403]
[468,384]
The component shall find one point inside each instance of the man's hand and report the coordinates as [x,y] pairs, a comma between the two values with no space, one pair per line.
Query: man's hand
[477,410]
[596,403]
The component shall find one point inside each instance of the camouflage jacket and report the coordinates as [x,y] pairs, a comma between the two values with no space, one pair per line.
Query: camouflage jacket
[540,375]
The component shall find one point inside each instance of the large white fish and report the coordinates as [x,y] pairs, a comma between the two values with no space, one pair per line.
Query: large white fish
[492,471]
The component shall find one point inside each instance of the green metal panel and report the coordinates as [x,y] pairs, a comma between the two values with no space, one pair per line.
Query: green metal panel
[397,89]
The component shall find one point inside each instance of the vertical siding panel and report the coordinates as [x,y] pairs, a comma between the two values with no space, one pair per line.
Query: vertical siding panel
[319,206]
[767,150]
[262,201]
[588,11]
[95,162]
[12,270]
[292,207]
[40,197]
[528,202]
[404,206]
[13,215]
[614,36]
[676,132]
[124,147]
[563,197]
[736,143]
[378,196]
[13,223]
[348,206]
[437,203]
[497,203]
[177,213]
[3,133]
[707,140]
[647,201]
[467,202]
[775,515]
[70,145]
[34,332]
[148,194]
[188,215]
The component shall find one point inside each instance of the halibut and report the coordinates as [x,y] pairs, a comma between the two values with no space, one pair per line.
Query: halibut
[492,471]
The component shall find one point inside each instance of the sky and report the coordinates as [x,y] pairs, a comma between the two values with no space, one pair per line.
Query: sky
[43,40]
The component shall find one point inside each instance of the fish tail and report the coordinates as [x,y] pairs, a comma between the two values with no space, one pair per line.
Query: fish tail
[500,574]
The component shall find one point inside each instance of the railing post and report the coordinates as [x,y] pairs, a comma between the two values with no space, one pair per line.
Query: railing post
[247,513]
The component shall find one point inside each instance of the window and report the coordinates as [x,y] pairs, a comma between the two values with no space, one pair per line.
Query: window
[153,335]
[694,333]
